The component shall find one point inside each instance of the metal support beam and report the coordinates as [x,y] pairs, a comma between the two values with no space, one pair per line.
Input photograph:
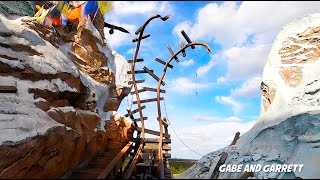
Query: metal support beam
[143,37]
[184,34]
[172,53]
[153,75]
[164,63]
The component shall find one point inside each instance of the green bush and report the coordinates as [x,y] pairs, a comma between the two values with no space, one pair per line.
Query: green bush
[178,169]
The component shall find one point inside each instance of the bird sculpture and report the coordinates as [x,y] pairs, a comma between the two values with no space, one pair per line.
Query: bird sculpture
[114,27]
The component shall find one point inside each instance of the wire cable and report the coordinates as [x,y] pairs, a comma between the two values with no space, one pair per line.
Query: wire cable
[165,107]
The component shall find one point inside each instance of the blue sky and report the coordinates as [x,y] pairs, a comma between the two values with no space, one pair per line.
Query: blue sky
[240,35]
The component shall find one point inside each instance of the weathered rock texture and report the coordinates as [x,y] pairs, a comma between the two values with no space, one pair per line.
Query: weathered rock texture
[288,129]
[68,86]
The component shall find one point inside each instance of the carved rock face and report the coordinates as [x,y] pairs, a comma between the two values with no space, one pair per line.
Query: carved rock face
[118,130]
[293,67]
[268,93]
[49,125]
[292,76]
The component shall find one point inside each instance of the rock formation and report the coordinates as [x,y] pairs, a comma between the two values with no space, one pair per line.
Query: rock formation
[68,87]
[287,131]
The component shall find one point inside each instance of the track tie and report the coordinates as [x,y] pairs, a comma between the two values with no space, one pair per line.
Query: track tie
[167,155]
[137,81]
[152,140]
[149,131]
[143,37]
[147,100]
[172,53]
[138,60]
[184,34]
[153,75]
[164,63]
[138,71]
[184,54]
[153,89]
[138,119]
[139,91]
[166,147]
[134,111]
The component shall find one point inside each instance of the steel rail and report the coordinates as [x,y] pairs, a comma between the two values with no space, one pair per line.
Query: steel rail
[160,166]
[134,60]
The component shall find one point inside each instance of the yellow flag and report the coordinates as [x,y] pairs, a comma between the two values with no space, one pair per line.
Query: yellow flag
[43,15]
[40,9]
[65,8]
[104,6]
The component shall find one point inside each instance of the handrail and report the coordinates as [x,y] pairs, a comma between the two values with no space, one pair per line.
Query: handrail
[113,164]
[133,163]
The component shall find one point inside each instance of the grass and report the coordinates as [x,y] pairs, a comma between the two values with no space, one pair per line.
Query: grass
[178,166]
[178,169]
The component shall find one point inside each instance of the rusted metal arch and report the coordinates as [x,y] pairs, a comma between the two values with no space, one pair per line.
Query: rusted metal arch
[133,72]
[161,170]
[134,59]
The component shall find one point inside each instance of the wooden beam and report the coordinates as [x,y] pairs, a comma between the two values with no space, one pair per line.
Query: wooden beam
[172,53]
[113,164]
[138,60]
[8,89]
[246,175]
[139,91]
[137,81]
[149,131]
[166,147]
[167,155]
[153,75]
[221,161]
[147,100]
[164,63]
[235,139]
[133,163]
[184,54]
[153,89]
[138,71]
[138,119]
[152,140]
[134,111]
[184,34]
[143,37]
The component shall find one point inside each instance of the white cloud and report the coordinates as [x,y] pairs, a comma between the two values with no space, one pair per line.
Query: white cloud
[187,63]
[185,25]
[129,15]
[131,51]
[233,118]
[245,62]
[186,86]
[221,80]
[206,68]
[125,8]
[250,88]
[230,23]
[215,118]
[205,138]
[245,30]
[236,106]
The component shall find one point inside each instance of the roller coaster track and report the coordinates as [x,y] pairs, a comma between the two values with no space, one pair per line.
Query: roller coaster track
[141,158]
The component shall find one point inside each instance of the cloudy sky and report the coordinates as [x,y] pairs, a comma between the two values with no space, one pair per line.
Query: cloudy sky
[209,97]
